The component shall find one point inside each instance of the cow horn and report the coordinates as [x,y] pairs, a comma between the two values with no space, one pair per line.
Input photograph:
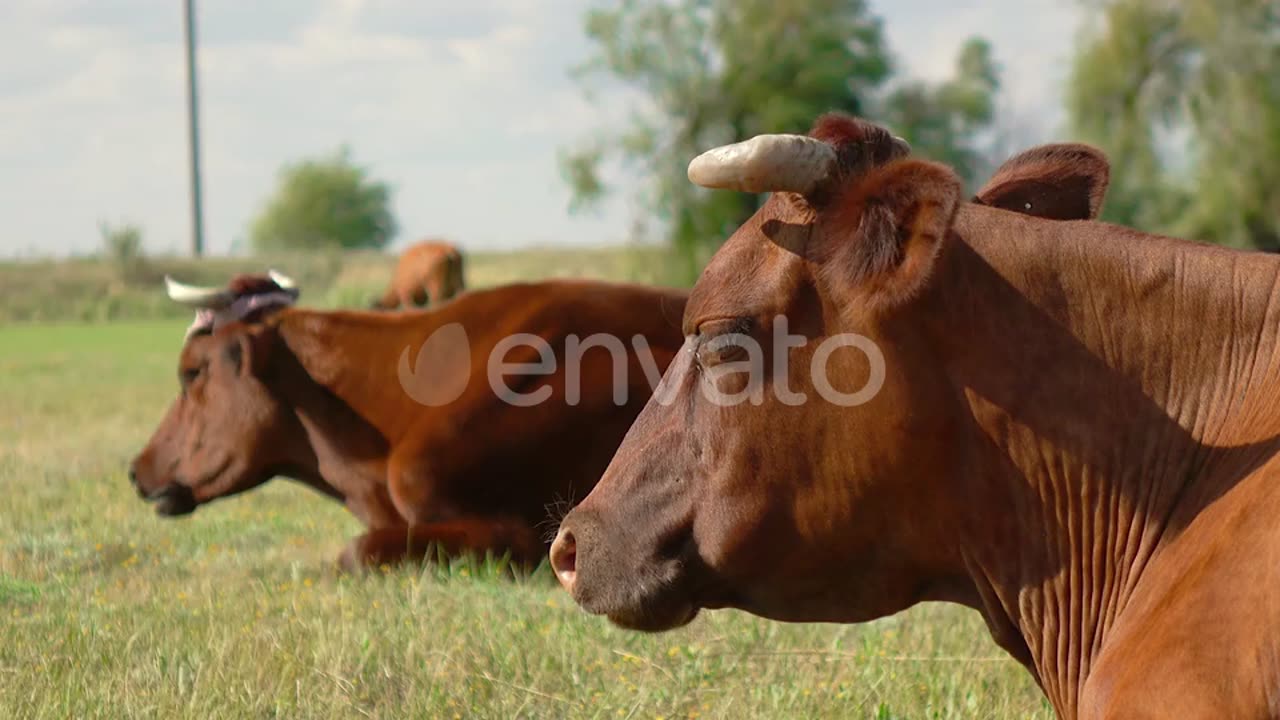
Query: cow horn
[770,163]
[198,297]
[766,163]
[284,281]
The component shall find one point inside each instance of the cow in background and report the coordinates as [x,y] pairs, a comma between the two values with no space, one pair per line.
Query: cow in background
[426,273]
[397,415]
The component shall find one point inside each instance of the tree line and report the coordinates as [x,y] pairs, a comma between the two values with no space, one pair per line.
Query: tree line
[1183,95]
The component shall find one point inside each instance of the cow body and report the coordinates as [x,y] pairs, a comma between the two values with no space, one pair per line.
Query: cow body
[396,415]
[426,273]
[1075,433]
[1122,447]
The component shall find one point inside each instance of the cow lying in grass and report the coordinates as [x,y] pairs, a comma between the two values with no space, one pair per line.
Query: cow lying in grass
[399,415]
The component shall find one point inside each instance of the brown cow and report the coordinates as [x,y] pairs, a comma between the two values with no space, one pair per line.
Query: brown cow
[399,415]
[427,273]
[1070,427]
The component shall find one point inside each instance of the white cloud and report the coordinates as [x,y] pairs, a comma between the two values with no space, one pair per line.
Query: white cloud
[494,52]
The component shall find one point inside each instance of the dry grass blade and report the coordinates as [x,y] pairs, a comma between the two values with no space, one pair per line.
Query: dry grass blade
[528,690]
[645,661]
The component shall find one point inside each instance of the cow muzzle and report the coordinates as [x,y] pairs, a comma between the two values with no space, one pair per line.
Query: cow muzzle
[636,595]
[173,500]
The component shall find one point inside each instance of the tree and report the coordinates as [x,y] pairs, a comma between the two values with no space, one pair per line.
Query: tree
[943,123]
[325,203]
[708,72]
[1185,98]
[123,247]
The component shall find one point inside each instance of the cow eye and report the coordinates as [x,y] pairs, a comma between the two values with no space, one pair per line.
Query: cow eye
[724,341]
[188,375]
[723,348]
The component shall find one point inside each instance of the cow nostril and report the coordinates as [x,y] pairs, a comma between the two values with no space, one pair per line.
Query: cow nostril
[133,474]
[564,559]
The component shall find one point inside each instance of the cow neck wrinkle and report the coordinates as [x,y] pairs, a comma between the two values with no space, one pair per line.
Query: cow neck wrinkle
[1115,384]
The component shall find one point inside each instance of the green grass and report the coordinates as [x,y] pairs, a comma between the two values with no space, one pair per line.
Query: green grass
[235,612]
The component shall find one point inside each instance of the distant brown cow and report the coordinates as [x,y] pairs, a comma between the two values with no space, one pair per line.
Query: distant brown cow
[426,273]
[398,415]
[1071,427]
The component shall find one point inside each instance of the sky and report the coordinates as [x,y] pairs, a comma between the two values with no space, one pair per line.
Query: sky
[461,107]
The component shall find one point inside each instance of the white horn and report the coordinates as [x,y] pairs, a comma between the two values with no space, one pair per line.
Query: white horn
[766,163]
[284,281]
[198,297]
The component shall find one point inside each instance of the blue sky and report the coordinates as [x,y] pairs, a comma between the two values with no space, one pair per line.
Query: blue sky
[461,106]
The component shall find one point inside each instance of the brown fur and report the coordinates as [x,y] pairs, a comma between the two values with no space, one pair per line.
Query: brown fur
[900,213]
[1059,182]
[427,273]
[1077,436]
[319,397]
[859,145]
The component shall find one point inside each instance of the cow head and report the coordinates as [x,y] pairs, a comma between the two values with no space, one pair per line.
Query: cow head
[822,496]
[226,432]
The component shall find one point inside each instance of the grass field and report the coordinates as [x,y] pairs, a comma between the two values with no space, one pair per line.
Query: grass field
[235,612]
[96,289]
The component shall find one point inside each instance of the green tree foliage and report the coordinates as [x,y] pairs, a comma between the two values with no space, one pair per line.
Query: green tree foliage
[945,122]
[1185,98]
[122,246]
[325,203]
[710,72]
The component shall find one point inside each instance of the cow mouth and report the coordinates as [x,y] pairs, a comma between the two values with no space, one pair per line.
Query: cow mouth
[173,500]
[665,593]
[654,617]
[662,606]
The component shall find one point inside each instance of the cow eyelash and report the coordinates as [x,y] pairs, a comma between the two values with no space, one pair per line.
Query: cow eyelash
[723,346]
[726,349]
[727,326]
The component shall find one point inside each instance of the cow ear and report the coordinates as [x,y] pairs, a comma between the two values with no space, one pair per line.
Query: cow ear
[899,216]
[246,351]
[1059,182]
[239,353]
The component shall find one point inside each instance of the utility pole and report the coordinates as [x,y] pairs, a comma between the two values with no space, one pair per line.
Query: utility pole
[193,126]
